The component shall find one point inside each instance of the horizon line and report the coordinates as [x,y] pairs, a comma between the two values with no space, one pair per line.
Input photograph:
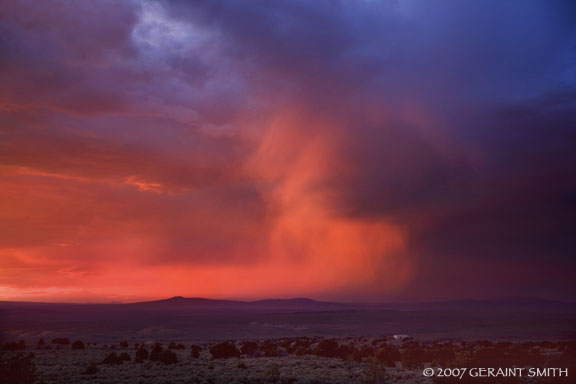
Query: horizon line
[422,301]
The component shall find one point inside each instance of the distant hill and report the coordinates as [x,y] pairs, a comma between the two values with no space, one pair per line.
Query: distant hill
[305,304]
[191,301]
[295,304]
[296,301]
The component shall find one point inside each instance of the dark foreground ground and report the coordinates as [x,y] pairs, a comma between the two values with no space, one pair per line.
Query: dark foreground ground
[285,341]
[287,360]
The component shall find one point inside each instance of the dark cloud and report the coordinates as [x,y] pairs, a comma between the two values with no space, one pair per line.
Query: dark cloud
[57,59]
[484,172]
[454,121]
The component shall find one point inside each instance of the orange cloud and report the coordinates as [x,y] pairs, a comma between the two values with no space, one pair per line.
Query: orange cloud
[296,161]
[287,237]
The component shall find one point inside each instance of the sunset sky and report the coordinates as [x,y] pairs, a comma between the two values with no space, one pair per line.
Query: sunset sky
[356,150]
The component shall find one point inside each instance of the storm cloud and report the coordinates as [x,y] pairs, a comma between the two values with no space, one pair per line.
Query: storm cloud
[374,149]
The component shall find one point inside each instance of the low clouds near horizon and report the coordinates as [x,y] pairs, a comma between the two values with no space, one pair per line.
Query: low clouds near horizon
[352,150]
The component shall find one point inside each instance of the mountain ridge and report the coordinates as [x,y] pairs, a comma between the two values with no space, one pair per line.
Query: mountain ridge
[308,303]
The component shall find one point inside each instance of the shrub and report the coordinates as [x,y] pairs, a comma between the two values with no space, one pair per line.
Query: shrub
[249,348]
[224,350]
[41,342]
[442,356]
[195,351]
[78,345]
[269,349]
[124,344]
[163,356]
[302,342]
[14,346]
[356,355]
[366,352]
[388,355]
[345,352]
[141,355]
[61,341]
[124,356]
[300,351]
[18,369]
[490,357]
[156,352]
[112,359]
[327,348]
[168,357]
[173,345]
[413,358]
[522,355]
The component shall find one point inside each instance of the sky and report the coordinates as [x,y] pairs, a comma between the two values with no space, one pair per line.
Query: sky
[394,150]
